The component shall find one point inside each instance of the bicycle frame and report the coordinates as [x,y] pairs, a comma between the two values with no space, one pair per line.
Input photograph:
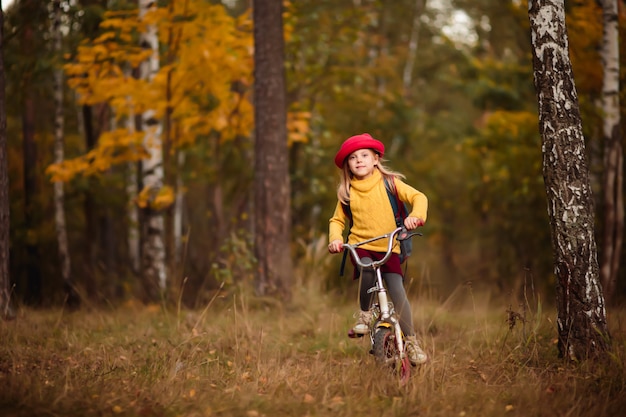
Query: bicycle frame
[387,317]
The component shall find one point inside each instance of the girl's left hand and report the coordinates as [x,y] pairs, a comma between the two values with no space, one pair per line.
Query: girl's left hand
[413,222]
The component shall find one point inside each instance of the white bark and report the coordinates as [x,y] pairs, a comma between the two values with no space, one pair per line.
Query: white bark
[133,214]
[581,320]
[153,253]
[59,122]
[407,75]
[178,208]
[131,193]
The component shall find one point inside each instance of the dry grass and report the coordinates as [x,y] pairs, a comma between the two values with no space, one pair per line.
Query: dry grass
[243,356]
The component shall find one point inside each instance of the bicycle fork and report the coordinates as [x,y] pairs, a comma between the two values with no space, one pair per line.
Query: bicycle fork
[387,319]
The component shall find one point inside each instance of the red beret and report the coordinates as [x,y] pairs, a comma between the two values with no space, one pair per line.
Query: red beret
[354,143]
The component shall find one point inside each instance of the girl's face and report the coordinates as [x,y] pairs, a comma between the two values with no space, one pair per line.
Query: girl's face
[362,163]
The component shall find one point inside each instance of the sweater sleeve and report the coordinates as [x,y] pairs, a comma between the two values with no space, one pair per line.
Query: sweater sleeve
[337,224]
[417,199]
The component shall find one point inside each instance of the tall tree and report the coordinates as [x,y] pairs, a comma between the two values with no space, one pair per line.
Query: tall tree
[613,153]
[6,311]
[59,196]
[407,73]
[91,12]
[29,117]
[153,246]
[272,209]
[582,327]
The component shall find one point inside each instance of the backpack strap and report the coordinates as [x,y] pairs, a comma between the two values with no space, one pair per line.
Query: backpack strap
[400,211]
[348,213]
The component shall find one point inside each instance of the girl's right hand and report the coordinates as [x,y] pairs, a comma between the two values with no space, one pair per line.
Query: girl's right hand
[335,246]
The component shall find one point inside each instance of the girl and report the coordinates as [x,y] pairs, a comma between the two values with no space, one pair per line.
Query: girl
[363,188]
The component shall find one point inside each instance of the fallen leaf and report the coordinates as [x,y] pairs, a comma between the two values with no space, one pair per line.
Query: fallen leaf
[336,402]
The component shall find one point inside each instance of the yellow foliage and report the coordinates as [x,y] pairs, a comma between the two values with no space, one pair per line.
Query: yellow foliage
[115,147]
[203,81]
[508,124]
[156,199]
[298,127]
[584,28]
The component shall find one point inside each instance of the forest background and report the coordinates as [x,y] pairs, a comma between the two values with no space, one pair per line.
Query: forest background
[447,85]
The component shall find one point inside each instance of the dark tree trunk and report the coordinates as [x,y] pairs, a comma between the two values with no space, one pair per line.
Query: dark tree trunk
[272,190]
[582,326]
[613,152]
[91,219]
[6,310]
[33,291]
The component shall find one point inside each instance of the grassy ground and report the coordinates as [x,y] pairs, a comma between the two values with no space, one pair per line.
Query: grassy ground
[242,356]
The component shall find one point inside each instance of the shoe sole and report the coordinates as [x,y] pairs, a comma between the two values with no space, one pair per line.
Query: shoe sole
[352,334]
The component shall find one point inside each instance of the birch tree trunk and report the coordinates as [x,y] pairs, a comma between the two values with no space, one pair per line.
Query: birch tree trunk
[272,189]
[581,321]
[132,187]
[407,74]
[613,154]
[71,296]
[132,211]
[178,211]
[6,310]
[153,250]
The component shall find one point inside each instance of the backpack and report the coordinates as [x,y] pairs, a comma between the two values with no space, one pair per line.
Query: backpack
[400,212]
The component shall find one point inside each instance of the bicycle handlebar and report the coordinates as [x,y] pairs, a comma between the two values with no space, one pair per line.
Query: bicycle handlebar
[402,234]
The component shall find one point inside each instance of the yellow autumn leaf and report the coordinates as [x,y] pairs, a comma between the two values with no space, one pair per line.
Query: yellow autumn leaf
[212,55]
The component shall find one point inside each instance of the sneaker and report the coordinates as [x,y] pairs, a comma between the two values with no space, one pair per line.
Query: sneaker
[362,325]
[414,351]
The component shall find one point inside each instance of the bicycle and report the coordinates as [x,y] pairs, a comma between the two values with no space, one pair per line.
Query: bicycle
[386,336]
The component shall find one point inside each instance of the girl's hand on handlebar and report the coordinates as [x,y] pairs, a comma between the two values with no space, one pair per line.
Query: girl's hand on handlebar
[413,222]
[335,246]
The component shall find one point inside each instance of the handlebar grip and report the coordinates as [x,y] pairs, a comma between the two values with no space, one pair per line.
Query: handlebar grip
[405,234]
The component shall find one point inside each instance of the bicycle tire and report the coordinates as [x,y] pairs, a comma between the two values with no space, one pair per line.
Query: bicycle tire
[385,349]
[386,353]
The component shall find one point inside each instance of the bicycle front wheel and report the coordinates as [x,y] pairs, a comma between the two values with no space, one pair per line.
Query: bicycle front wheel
[387,354]
[385,347]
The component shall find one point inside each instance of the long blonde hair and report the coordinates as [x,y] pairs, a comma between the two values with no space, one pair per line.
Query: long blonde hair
[343,190]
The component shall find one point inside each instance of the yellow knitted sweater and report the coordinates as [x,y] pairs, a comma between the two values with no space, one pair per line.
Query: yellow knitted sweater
[372,214]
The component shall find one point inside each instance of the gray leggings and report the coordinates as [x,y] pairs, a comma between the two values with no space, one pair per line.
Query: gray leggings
[395,287]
